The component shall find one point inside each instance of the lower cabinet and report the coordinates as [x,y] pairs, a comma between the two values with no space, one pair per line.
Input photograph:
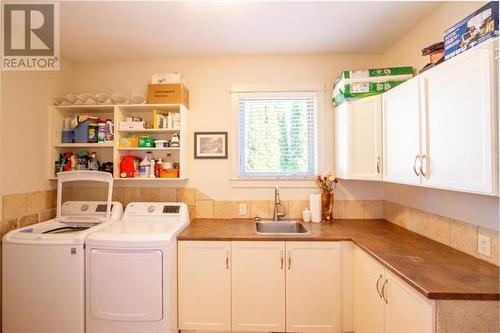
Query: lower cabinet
[384,303]
[258,286]
[278,286]
[313,287]
[273,286]
[204,285]
[368,305]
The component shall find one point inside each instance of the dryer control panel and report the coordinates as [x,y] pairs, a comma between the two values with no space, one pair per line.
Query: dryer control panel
[153,209]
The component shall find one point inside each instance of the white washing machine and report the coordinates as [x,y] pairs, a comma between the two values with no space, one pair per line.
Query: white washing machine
[43,273]
[131,280]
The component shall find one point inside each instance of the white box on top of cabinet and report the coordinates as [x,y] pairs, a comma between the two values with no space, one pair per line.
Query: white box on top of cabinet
[259,286]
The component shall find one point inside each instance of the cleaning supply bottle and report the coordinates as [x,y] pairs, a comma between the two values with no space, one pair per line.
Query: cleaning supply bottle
[110,136]
[158,168]
[152,169]
[93,164]
[145,166]
[175,142]
[167,164]
[101,132]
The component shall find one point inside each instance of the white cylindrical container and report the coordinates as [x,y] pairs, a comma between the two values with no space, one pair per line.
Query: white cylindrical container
[306,215]
[315,207]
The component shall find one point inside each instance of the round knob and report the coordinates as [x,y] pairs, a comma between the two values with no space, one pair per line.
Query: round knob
[151,209]
[84,208]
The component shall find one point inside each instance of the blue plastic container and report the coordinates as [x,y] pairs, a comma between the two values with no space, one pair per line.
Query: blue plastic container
[67,136]
[81,132]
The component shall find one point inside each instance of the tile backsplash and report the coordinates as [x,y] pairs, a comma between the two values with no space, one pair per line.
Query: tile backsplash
[27,208]
[19,210]
[459,235]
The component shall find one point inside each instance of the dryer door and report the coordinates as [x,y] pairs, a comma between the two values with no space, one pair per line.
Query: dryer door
[125,285]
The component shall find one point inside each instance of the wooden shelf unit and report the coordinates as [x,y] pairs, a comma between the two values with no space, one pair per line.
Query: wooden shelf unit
[111,151]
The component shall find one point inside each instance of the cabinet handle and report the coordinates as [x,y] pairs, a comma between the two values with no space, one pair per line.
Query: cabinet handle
[227,259]
[282,260]
[415,165]
[376,285]
[383,291]
[378,165]
[289,260]
[421,164]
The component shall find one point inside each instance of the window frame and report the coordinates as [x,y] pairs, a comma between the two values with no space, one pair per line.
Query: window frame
[238,91]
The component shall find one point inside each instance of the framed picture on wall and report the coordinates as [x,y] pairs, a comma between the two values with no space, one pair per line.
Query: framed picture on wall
[210,145]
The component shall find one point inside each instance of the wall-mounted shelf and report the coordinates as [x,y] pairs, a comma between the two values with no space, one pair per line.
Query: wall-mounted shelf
[85,145]
[143,179]
[148,149]
[113,152]
[153,179]
[149,130]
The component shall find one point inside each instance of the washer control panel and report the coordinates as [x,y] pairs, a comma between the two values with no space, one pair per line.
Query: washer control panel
[84,208]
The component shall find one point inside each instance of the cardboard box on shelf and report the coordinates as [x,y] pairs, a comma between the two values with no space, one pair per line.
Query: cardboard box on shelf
[472,30]
[352,91]
[165,93]
[374,74]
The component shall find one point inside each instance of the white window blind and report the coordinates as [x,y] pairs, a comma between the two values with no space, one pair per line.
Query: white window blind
[277,135]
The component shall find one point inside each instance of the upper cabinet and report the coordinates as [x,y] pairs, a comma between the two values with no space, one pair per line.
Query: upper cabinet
[440,128]
[459,132]
[401,138]
[358,139]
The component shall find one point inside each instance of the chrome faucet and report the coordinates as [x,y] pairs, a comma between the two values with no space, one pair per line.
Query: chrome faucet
[277,202]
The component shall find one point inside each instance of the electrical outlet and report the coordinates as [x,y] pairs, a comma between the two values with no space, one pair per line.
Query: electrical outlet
[243,209]
[483,245]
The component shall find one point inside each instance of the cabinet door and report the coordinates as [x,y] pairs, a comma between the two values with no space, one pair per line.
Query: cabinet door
[313,282]
[406,311]
[368,302]
[365,139]
[204,285]
[358,131]
[459,117]
[258,286]
[401,133]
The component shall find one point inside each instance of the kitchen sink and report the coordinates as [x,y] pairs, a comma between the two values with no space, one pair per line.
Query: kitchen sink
[280,228]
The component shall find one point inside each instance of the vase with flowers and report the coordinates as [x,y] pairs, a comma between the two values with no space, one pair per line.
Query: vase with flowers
[327,183]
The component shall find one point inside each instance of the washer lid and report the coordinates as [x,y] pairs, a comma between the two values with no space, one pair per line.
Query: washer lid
[51,233]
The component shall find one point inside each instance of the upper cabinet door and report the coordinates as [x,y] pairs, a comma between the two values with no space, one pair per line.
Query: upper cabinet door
[258,286]
[459,123]
[204,285]
[359,139]
[313,282]
[401,133]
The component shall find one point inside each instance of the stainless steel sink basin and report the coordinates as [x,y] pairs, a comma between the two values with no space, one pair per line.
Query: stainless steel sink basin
[280,228]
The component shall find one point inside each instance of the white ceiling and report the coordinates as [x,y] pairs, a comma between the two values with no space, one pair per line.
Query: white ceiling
[143,30]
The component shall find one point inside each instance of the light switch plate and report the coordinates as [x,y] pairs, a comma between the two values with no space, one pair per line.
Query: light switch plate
[483,245]
[243,209]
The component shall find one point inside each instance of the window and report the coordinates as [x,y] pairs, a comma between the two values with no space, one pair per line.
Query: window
[277,134]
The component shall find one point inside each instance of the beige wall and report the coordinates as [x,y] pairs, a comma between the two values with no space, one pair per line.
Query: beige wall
[24,127]
[209,81]
[407,51]
[475,209]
